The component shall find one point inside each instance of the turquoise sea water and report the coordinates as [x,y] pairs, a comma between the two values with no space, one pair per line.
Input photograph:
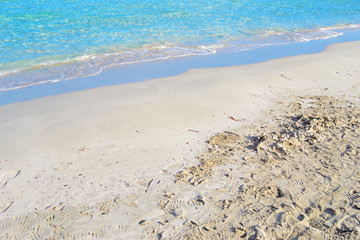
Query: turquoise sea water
[42,41]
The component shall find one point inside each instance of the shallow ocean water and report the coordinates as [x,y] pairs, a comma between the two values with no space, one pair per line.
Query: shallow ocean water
[49,41]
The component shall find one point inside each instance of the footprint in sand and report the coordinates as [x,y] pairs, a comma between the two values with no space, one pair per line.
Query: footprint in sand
[328,213]
[7,176]
[172,206]
[196,202]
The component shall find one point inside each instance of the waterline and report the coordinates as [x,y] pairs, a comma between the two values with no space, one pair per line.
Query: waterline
[68,67]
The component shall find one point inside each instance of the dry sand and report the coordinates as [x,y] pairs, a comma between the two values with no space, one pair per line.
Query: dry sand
[263,151]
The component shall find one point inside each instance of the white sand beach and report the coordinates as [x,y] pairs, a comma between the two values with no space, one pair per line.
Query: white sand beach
[261,151]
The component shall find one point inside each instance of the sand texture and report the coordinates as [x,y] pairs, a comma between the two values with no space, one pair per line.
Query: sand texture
[295,177]
[264,151]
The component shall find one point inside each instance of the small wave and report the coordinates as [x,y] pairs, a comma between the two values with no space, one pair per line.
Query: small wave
[314,35]
[90,65]
[340,27]
[9,72]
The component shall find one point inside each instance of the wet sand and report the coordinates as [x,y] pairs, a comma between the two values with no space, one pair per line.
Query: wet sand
[261,151]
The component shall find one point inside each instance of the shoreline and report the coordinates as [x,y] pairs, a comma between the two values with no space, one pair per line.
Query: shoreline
[146,71]
[92,65]
[114,152]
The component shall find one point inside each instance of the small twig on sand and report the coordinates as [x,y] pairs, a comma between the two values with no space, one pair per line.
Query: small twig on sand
[190,130]
[232,118]
[286,77]
[11,203]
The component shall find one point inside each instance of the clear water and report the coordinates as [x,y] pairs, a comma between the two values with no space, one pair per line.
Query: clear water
[42,40]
